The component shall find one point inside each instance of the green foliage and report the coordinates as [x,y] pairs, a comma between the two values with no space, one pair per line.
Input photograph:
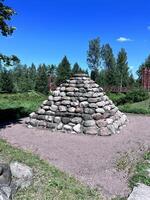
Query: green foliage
[18,105]
[143,65]
[109,64]
[77,69]
[63,71]
[93,56]
[140,173]
[49,182]
[6,14]
[117,98]
[137,95]
[122,69]
[6,81]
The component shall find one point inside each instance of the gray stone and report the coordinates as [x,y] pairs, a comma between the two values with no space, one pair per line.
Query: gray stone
[87,117]
[33,115]
[67,127]
[89,123]
[49,118]
[71,109]
[89,111]
[60,125]
[79,110]
[101,103]
[57,120]
[100,110]
[50,98]
[62,108]
[89,94]
[65,102]
[51,125]
[22,172]
[109,121]
[54,108]
[5,174]
[57,98]
[49,112]
[90,130]
[46,107]
[74,103]
[107,108]
[104,131]
[33,122]
[97,116]
[56,93]
[41,123]
[84,104]
[41,111]
[77,128]
[65,120]
[3,196]
[93,105]
[6,191]
[62,94]
[41,117]
[70,89]
[96,94]
[112,128]
[101,123]
[141,192]
[92,100]
[82,99]
[70,94]
[76,120]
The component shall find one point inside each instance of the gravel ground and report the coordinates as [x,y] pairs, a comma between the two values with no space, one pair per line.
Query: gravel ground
[91,159]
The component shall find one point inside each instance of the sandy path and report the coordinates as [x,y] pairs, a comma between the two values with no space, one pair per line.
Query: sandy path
[91,159]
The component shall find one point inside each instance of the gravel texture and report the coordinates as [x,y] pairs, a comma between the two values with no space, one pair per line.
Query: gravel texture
[91,159]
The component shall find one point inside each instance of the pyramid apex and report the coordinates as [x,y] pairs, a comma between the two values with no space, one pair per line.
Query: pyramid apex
[80,75]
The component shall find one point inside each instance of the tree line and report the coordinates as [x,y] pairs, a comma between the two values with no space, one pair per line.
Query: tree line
[23,78]
[107,70]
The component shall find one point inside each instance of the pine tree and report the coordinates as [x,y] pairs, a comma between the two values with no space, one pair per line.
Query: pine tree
[42,79]
[63,70]
[32,77]
[93,57]
[109,65]
[6,81]
[76,69]
[122,69]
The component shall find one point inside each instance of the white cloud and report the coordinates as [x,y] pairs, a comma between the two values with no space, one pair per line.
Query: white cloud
[148,28]
[124,39]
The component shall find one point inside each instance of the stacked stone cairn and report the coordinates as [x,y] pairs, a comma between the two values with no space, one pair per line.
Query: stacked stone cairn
[79,106]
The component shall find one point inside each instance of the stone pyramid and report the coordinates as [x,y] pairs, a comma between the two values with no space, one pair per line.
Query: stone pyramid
[79,106]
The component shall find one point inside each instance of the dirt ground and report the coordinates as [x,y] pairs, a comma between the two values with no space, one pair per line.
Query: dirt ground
[100,162]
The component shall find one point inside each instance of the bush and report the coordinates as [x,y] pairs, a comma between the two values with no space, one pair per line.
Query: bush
[136,95]
[117,98]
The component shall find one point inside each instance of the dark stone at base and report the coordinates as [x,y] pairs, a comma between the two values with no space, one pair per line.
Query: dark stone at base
[65,120]
[5,174]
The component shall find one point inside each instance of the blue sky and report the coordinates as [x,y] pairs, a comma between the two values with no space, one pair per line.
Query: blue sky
[49,29]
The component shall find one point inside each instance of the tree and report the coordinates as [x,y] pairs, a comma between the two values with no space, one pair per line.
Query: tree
[76,69]
[6,14]
[6,81]
[122,69]
[32,77]
[9,60]
[63,71]
[93,57]
[42,79]
[109,64]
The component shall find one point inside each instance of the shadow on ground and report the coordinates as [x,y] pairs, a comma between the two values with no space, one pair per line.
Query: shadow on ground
[11,116]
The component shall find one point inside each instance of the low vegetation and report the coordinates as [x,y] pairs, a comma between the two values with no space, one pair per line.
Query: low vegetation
[141,174]
[14,106]
[49,182]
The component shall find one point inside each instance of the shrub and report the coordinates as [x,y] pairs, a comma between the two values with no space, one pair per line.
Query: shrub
[117,98]
[137,95]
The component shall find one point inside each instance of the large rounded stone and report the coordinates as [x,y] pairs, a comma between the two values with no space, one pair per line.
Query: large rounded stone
[89,123]
[41,111]
[62,108]
[100,110]
[87,117]
[65,120]
[54,108]
[22,172]
[33,115]
[84,104]
[5,175]
[101,103]
[67,127]
[76,120]
[101,123]
[77,128]
[90,130]
[92,100]
[57,120]
[57,98]
[71,109]
[97,116]
[93,105]
[65,102]
[89,111]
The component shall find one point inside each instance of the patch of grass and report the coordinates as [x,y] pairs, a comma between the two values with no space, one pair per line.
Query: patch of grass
[122,163]
[49,183]
[119,198]
[142,107]
[14,106]
[141,173]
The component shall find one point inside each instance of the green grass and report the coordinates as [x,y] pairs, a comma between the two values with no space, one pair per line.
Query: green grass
[142,107]
[49,183]
[140,172]
[13,106]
